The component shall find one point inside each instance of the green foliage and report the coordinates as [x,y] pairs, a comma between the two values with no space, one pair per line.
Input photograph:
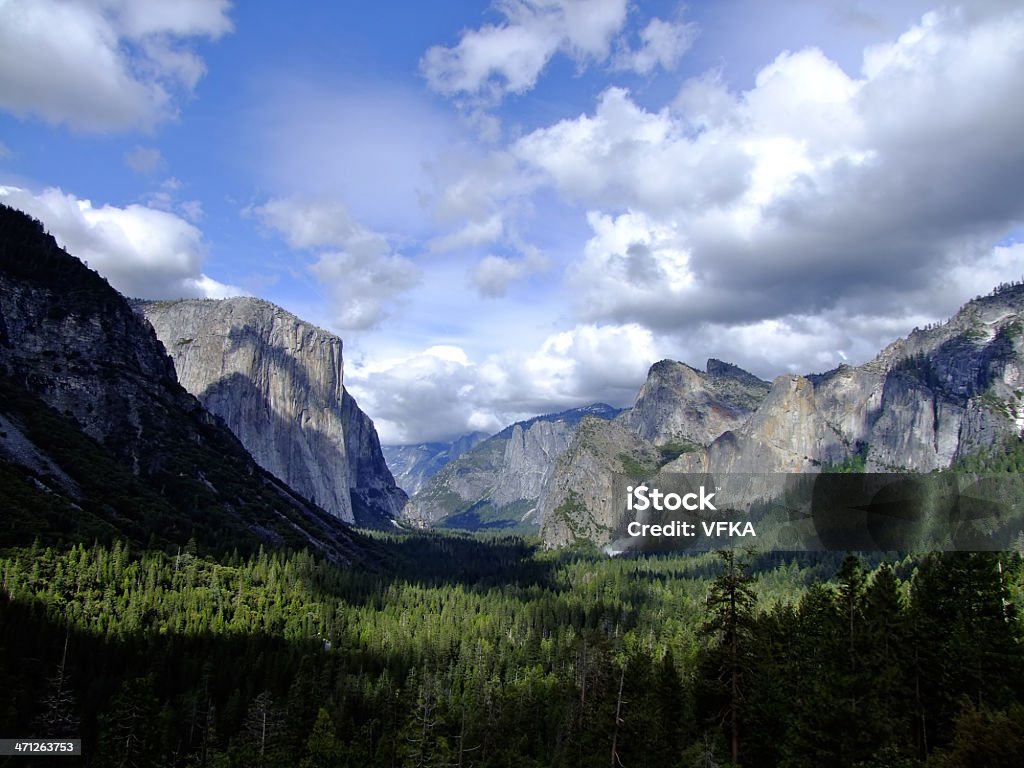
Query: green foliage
[487,516]
[855,464]
[986,738]
[638,468]
[1007,456]
[496,653]
[674,449]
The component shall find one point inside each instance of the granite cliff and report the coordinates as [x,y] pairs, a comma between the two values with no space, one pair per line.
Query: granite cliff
[923,402]
[939,395]
[99,439]
[414,465]
[499,483]
[277,382]
[680,404]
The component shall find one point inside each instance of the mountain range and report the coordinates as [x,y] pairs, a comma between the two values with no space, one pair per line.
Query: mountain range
[940,395]
[498,483]
[245,433]
[99,440]
[414,465]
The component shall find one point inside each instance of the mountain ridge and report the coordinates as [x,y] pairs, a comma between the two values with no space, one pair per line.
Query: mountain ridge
[414,465]
[498,483]
[101,439]
[278,383]
[924,402]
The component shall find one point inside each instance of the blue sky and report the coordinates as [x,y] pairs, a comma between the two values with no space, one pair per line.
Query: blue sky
[517,206]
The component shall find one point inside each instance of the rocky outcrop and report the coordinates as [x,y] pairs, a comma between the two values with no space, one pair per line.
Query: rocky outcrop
[414,465]
[277,383]
[680,404]
[529,460]
[98,419]
[578,503]
[499,482]
[376,499]
[925,401]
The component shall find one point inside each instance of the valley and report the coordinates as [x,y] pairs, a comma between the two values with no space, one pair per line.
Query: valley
[180,586]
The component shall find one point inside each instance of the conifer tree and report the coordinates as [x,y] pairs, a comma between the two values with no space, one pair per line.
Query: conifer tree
[730,605]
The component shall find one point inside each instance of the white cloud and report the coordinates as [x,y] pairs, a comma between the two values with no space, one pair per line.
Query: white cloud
[110,66]
[495,60]
[442,392]
[193,210]
[143,252]
[631,266]
[603,362]
[663,44]
[472,234]
[144,160]
[624,156]
[492,276]
[812,194]
[363,279]
[166,196]
[474,190]
[318,222]
[362,288]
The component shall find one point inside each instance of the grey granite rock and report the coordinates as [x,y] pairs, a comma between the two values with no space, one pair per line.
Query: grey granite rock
[277,382]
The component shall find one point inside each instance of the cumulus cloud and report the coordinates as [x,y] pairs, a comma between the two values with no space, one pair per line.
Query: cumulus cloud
[142,251]
[663,44]
[362,287]
[442,392]
[814,194]
[493,275]
[472,233]
[317,222]
[111,66]
[508,57]
[363,278]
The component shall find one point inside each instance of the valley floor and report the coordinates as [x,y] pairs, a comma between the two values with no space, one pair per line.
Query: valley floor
[464,652]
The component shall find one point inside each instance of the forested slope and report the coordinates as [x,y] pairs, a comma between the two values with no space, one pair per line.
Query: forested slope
[519,658]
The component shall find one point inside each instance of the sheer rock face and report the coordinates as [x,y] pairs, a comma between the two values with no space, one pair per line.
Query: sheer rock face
[925,401]
[577,502]
[277,383]
[69,342]
[922,403]
[529,460]
[511,468]
[679,403]
[501,470]
[414,465]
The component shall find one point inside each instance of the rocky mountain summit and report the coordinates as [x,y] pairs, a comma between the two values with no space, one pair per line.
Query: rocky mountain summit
[680,404]
[98,438]
[499,482]
[277,382]
[414,465]
[939,395]
[923,402]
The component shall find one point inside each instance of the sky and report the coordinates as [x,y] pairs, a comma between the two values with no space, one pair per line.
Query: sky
[515,207]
